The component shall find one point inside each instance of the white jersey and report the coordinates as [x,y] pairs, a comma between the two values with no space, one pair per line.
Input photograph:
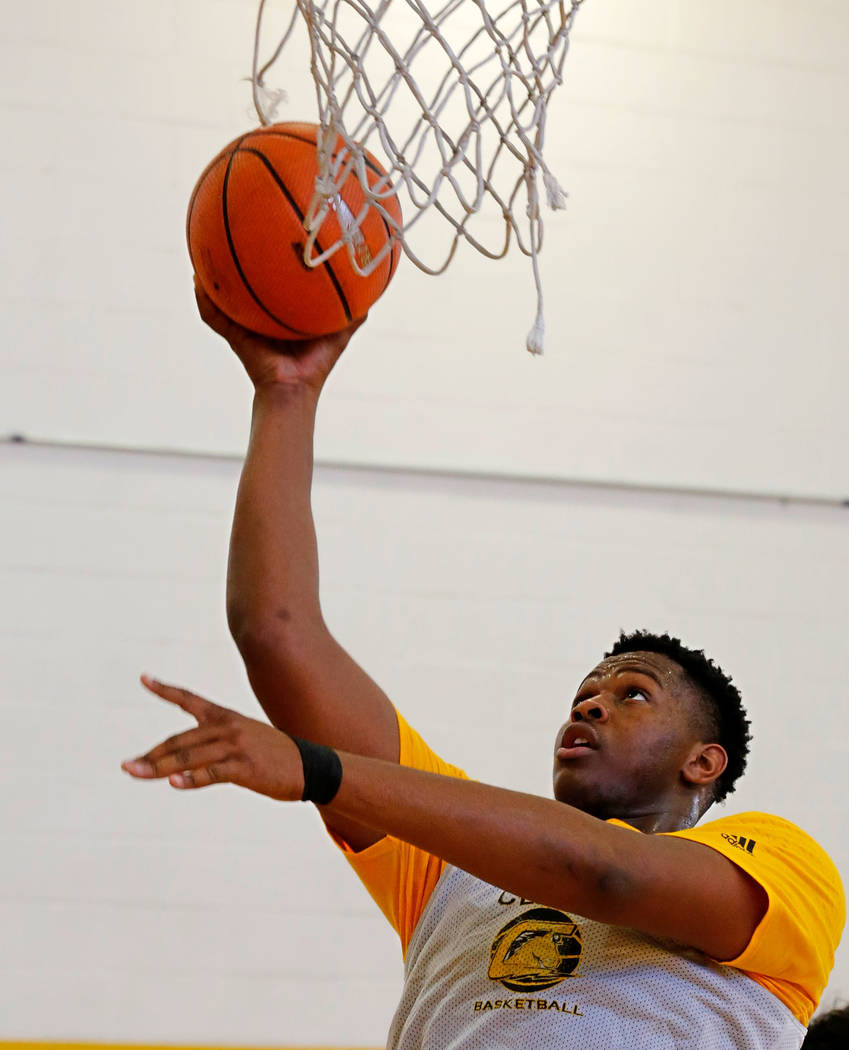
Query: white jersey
[486,970]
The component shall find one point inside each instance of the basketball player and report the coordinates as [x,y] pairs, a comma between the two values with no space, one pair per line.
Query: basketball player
[601,919]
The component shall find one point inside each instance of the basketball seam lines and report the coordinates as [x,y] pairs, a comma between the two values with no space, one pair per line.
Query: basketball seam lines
[373,167]
[284,189]
[370,164]
[232,246]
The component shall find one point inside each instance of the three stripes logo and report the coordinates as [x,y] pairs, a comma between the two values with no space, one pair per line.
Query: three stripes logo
[741,842]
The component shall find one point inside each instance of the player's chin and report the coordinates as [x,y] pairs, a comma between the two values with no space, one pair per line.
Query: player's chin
[572,785]
[587,786]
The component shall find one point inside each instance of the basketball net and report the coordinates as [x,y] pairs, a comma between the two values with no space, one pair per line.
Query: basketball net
[455,99]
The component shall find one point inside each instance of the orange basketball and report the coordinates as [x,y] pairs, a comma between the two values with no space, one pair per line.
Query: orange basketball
[246,237]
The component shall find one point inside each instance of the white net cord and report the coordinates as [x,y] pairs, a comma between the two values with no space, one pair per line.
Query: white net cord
[453,103]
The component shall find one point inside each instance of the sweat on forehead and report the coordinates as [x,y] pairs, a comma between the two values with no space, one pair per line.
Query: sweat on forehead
[655,665]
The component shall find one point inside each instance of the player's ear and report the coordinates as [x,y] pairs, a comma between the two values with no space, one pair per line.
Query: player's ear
[705,764]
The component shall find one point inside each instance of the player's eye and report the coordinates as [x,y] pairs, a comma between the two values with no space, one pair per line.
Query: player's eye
[636,693]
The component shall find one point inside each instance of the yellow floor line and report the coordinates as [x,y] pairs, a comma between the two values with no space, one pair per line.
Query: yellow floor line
[14,1044]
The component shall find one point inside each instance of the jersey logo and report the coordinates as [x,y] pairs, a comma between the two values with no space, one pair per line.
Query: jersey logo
[741,842]
[537,950]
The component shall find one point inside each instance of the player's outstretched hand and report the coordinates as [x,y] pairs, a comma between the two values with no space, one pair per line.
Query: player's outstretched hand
[226,747]
[268,361]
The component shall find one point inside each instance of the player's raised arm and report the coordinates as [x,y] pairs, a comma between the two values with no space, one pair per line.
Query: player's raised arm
[306,682]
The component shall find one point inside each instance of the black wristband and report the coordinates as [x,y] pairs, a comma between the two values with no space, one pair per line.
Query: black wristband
[322,771]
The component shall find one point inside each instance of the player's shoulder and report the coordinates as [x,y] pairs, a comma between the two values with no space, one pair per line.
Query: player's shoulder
[758,835]
[751,822]
[744,828]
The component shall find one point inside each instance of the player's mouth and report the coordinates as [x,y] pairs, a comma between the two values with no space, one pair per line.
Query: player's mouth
[578,741]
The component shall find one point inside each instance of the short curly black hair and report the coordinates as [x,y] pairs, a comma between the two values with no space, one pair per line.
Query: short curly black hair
[720,698]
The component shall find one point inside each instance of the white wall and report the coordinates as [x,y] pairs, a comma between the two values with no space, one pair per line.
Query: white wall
[131,912]
[694,287]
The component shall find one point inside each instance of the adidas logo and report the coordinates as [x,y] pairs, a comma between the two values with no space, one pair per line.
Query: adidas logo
[741,842]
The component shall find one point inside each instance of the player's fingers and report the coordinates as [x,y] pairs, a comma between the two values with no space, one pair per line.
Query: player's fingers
[180,748]
[182,741]
[214,773]
[183,760]
[201,709]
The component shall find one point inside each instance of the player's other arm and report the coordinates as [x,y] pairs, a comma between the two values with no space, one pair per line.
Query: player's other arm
[546,851]
[554,854]
[307,683]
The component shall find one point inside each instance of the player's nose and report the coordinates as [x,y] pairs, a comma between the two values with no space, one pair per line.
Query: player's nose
[591,710]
